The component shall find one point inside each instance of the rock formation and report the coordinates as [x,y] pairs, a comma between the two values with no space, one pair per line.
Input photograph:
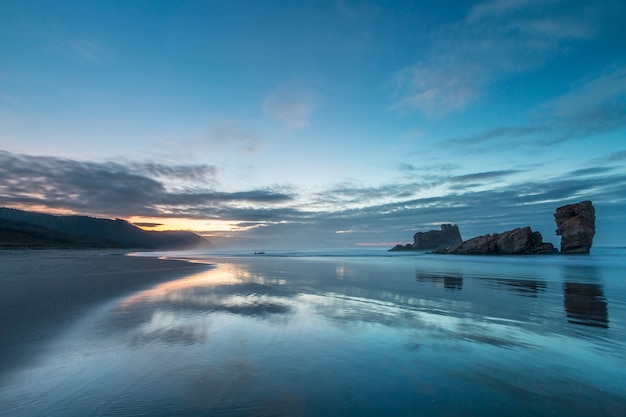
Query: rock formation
[575,223]
[448,235]
[520,241]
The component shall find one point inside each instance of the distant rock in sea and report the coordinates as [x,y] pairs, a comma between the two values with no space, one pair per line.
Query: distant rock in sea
[520,241]
[576,225]
[434,239]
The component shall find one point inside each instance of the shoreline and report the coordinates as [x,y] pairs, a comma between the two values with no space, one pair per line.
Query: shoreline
[44,290]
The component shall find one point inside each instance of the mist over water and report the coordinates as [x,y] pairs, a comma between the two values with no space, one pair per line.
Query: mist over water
[333,333]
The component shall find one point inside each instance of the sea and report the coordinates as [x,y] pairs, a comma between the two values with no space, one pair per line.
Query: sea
[346,332]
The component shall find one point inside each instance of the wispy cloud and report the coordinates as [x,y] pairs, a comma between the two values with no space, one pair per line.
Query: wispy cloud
[483,176]
[238,136]
[277,216]
[114,189]
[496,40]
[595,106]
[201,173]
[292,105]
[88,50]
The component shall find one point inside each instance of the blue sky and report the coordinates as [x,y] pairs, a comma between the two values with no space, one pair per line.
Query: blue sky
[297,124]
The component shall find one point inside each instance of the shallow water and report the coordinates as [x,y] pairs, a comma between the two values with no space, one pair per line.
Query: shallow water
[346,333]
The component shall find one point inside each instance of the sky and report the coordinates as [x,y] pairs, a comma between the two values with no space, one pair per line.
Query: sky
[297,124]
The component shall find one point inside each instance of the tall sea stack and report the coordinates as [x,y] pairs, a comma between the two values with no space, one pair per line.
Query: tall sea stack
[575,223]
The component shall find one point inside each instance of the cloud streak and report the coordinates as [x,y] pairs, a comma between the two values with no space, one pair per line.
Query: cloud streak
[496,40]
[590,108]
[292,106]
[113,189]
[480,202]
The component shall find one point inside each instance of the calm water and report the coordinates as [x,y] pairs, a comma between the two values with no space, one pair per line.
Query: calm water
[305,334]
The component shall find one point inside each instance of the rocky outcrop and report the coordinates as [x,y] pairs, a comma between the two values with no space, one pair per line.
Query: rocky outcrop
[448,235]
[520,241]
[575,223]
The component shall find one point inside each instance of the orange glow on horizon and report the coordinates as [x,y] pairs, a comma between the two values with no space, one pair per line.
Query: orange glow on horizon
[200,226]
[40,208]
[211,277]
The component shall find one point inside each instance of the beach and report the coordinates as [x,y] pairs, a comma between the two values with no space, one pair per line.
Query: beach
[304,333]
[41,291]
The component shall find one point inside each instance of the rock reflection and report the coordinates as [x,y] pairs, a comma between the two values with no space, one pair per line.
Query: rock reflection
[527,288]
[448,282]
[583,297]
[585,304]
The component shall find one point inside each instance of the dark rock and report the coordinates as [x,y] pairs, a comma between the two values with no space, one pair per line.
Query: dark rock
[575,223]
[520,241]
[397,248]
[448,235]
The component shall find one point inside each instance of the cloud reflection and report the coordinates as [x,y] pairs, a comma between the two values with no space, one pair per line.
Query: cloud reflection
[482,306]
[180,311]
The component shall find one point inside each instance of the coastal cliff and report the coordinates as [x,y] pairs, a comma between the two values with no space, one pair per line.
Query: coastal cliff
[25,229]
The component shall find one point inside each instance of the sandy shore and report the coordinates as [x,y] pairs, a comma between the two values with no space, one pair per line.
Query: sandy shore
[41,291]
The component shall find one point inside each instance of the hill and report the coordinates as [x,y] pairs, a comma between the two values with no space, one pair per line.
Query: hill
[20,228]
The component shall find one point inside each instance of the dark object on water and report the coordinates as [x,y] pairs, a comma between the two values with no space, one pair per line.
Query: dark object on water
[575,223]
[520,241]
[448,235]
[259,253]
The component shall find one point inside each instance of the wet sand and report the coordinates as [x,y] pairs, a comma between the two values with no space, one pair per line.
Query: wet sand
[41,291]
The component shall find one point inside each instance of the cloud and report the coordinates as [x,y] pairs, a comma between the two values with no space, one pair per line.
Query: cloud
[496,40]
[498,8]
[291,105]
[278,218]
[88,50]
[482,176]
[595,106]
[113,189]
[234,134]
[194,173]
[499,133]
[589,108]
[391,212]
[146,224]
[611,158]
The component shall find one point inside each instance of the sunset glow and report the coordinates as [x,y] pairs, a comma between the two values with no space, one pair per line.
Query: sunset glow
[317,124]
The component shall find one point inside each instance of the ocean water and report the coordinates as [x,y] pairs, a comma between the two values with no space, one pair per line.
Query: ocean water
[349,332]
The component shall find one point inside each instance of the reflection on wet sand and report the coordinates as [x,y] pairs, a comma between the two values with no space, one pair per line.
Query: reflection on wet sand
[583,297]
[523,287]
[280,336]
[585,304]
[449,282]
[177,312]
